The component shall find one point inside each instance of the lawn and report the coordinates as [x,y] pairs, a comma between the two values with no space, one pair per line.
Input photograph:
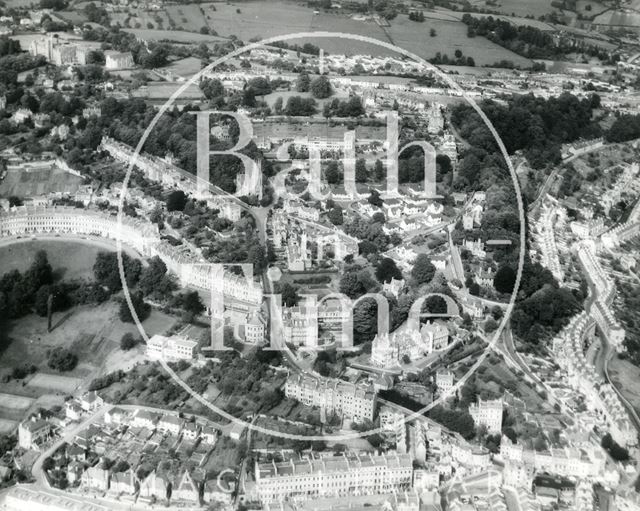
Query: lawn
[91,332]
[625,377]
[69,259]
[57,382]
[7,426]
[178,36]
[185,67]
[15,402]
[38,182]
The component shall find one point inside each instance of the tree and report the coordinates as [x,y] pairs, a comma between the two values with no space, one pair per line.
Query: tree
[378,171]
[191,302]
[423,270]
[154,280]
[432,32]
[40,272]
[362,174]
[176,201]
[332,173]
[378,218]
[490,325]
[504,279]
[617,452]
[303,83]
[350,285]
[335,216]
[375,199]
[365,325]
[299,106]
[456,420]
[141,308]
[212,88]
[95,57]
[387,270]
[321,87]
[61,359]
[277,106]
[127,342]
[41,300]
[107,273]
[290,296]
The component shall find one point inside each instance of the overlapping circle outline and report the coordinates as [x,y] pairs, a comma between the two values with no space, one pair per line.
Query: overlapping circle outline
[443,76]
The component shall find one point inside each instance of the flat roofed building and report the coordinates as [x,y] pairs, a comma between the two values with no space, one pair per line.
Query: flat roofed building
[170,349]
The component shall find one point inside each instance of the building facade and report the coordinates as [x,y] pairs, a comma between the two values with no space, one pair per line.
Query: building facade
[334,476]
[356,401]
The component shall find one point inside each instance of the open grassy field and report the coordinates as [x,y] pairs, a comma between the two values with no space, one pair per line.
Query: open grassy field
[596,7]
[69,259]
[141,19]
[164,90]
[38,182]
[185,67]
[57,382]
[91,332]
[7,426]
[257,20]
[190,17]
[619,18]
[517,7]
[178,36]
[451,36]
[14,402]
[625,376]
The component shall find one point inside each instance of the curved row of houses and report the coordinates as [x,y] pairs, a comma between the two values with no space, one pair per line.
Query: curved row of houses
[604,293]
[600,396]
[190,268]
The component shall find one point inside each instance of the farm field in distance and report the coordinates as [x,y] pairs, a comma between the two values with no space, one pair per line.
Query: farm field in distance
[450,36]
[618,18]
[517,7]
[178,36]
[259,20]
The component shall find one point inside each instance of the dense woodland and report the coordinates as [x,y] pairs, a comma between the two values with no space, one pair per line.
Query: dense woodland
[528,41]
[535,125]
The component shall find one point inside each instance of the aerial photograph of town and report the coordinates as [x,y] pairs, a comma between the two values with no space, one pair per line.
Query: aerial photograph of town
[320,255]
